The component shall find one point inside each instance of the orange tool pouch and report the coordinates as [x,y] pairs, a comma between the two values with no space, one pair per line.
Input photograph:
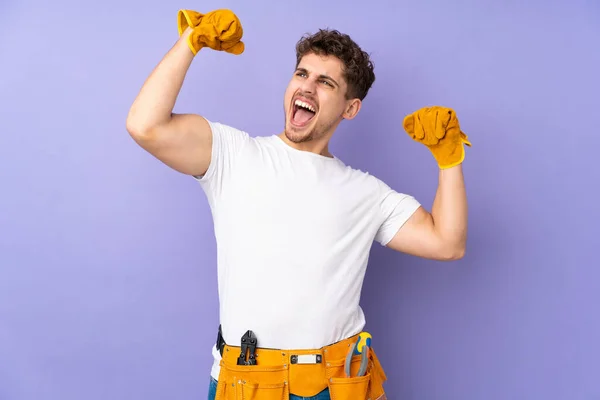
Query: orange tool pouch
[276,374]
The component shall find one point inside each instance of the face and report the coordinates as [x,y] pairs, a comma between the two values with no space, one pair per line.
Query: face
[315,99]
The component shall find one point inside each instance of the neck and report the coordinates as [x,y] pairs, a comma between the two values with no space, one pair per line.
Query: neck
[317,146]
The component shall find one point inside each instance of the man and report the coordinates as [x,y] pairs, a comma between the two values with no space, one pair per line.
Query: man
[294,225]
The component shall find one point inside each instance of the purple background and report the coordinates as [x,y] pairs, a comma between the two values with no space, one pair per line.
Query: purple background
[107,257]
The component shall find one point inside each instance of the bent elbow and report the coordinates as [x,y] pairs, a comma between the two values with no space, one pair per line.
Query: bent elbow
[459,253]
[138,131]
[453,253]
[134,128]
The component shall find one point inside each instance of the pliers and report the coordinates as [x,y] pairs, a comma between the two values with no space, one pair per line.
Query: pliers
[361,346]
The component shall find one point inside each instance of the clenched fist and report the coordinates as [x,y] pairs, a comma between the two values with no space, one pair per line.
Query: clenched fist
[438,128]
[219,30]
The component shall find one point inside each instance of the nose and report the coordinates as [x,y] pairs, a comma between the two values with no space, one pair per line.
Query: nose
[308,86]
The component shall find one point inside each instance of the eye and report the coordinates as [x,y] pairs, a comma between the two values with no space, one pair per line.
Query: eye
[302,74]
[326,83]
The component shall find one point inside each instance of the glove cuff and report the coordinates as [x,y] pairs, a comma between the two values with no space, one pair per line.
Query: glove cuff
[448,159]
[187,18]
[193,43]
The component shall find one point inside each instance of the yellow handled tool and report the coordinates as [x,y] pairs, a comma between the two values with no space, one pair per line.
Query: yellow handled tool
[361,346]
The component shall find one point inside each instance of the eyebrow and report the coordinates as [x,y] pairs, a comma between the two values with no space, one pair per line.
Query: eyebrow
[322,76]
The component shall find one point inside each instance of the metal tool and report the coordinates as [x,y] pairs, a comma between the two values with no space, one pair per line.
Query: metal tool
[248,345]
[360,347]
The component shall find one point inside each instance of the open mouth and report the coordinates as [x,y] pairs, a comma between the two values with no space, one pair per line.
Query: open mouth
[302,113]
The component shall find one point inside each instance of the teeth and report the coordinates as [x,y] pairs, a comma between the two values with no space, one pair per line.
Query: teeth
[302,104]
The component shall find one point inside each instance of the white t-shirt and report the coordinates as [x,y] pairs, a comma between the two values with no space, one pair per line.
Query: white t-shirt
[293,231]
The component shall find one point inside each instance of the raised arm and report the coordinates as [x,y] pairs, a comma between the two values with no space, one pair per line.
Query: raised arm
[181,141]
[441,234]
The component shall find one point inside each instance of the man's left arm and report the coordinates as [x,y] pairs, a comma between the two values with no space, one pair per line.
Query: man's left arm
[441,234]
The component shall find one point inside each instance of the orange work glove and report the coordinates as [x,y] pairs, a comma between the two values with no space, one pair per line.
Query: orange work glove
[438,128]
[219,30]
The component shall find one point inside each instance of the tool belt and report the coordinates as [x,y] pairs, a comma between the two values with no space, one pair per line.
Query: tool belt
[249,372]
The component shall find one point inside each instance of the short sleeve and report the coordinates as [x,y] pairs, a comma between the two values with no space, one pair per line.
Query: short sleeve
[227,142]
[396,208]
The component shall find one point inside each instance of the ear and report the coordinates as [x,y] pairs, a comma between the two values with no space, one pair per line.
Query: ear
[352,108]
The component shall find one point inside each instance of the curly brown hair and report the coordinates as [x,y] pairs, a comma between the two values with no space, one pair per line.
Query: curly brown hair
[358,68]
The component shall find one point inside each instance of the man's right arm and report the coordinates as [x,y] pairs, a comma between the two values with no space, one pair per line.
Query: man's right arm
[181,141]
